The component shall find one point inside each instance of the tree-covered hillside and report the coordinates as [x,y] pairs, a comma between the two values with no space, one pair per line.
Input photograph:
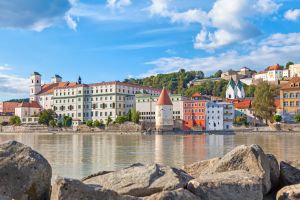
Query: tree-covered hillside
[18,100]
[177,83]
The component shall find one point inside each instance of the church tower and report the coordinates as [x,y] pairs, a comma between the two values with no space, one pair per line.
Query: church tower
[164,112]
[35,85]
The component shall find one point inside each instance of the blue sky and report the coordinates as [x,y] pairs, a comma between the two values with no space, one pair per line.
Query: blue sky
[104,40]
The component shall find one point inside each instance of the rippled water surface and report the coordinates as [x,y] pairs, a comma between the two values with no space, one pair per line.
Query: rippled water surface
[76,156]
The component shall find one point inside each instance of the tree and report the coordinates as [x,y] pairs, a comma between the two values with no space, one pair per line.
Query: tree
[89,123]
[277,118]
[121,119]
[46,116]
[135,117]
[263,101]
[96,123]
[52,123]
[67,121]
[288,64]
[15,120]
[249,90]
[108,120]
[297,117]
[129,115]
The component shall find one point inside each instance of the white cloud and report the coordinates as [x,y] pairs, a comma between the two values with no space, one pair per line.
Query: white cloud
[118,3]
[5,67]
[278,48]
[226,23]
[292,15]
[71,22]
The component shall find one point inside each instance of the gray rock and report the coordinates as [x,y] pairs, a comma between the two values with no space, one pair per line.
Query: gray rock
[274,170]
[71,189]
[289,172]
[202,167]
[179,194]
[249,158]
[141,181]
[233,185]
[25,174]
[291,192]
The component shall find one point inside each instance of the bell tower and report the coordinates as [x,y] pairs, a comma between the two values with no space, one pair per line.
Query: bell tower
[35,85]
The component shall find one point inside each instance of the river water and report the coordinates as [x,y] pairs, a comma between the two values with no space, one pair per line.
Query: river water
[76,156]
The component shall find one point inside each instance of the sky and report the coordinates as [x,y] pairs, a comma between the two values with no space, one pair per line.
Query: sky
[107,40]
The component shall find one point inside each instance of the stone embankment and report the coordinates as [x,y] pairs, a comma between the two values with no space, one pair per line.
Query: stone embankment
[245,173]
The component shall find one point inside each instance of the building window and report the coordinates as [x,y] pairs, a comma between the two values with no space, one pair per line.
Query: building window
[292,95]
[291,104]
[285,104]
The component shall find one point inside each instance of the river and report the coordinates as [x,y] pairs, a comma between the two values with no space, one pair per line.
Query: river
[76,156]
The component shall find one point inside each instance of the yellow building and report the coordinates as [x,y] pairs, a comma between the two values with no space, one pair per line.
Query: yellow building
[290,97]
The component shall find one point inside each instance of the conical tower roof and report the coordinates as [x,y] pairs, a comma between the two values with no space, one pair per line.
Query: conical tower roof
[164,98]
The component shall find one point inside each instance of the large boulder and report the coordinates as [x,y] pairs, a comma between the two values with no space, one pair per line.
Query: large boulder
[233,185]
[289,172]
[24,173]
[201,167]
[140,181]
[251,159]
[291,192]
[70,189]
[274,170]
[179,194]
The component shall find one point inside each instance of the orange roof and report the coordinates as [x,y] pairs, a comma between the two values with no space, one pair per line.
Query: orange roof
[9,106]
[32,104]
[197,95]
[164,98]
[243,104]
[294,83]
[49,88]
[274,67]
[277,103]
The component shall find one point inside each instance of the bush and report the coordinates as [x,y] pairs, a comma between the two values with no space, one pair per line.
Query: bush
[46,116]
[241,120]
[96,123]
[15,120]
[277,118]
[89,123]
[67,121]
[108,120]
[297,117]
[59,124]
[121,119]
[52,123]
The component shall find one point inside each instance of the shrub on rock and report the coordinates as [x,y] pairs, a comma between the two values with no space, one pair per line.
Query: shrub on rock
[24,173]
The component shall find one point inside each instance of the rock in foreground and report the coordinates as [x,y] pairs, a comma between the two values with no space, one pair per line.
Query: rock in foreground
[179,194]
[291,192]
[24,173]
[274,170]
[200,168]
[289,173]
[233,185]
[70,189]
[141,181]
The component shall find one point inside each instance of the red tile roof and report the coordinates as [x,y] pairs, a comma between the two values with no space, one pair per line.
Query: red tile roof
[32,104]
[49,88]
[294,83]
[164,98]
[274,67]
[243,104]
[9,106]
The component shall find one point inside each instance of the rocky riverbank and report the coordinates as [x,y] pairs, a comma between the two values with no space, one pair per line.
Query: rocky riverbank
[245,173]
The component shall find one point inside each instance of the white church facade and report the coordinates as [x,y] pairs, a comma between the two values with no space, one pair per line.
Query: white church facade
[235,90]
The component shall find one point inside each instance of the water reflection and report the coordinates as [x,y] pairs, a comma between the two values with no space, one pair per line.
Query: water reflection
[80,155]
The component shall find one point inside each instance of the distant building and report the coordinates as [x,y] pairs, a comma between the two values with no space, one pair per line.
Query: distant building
[219,116]
[272,74]
[290,98]
[164,112]
[245,108]
[235,90]
[294,70]
[194,110]
[28,111]
[243,73]
[8,107]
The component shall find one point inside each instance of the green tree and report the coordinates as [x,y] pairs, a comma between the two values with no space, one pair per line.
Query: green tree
[129,115]
[264,101]
[288,64]
[89,123]
[108,120]
[59,124]
[297,117]
[277,118]
[96,123]
[249,90]
[121,119]
[52,123]
[135,116]
[46,116]
[67,121]
[15,120]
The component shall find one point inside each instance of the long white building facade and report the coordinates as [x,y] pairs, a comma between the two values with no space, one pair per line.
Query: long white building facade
[86,101]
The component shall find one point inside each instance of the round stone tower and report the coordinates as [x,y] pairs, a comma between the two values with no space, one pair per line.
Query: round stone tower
[164,112]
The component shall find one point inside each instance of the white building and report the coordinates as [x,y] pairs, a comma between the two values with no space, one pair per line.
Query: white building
[87,101]
[145,104]
[235,90]
[272,74]
[28,111]
[294,70]
[219,116]
[164,112]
